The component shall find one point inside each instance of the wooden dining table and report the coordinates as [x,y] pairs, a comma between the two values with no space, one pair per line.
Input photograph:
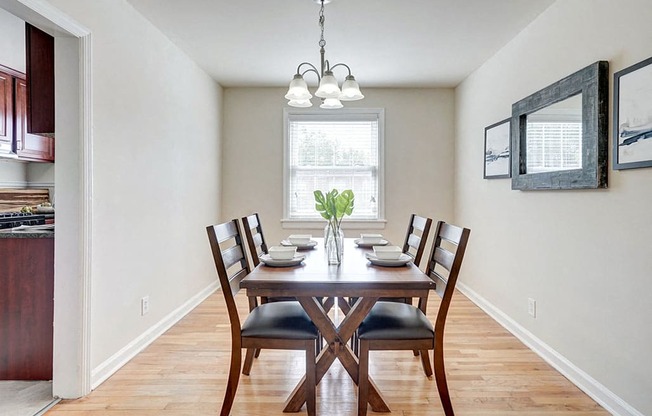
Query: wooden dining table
[319,286]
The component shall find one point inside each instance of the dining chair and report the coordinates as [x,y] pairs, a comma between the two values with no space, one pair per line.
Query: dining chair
[400,326]
[416,237]
[275,325]
[255,237]
[414,246]
[257,247]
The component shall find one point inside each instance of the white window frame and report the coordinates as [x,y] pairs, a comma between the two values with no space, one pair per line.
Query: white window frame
[348,224]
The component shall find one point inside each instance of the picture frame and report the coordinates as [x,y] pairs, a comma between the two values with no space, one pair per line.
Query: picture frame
[497,150]
[632,117]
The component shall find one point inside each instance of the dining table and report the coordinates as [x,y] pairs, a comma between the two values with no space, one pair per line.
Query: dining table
[353,287]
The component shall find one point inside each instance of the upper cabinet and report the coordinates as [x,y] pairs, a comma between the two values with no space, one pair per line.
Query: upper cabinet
[29,146]
[6,112]
[15,141]
[40,80]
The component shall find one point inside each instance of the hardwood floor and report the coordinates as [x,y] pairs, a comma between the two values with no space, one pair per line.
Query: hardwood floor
[490,373]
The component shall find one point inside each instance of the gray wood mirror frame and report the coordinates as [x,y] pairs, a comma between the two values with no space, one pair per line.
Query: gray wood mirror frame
[588,159]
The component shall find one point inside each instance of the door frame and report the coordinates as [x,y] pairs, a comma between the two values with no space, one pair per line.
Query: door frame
[74,162]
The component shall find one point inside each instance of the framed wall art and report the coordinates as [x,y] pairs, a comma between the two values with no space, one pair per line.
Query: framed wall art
[632,124]
[497,163]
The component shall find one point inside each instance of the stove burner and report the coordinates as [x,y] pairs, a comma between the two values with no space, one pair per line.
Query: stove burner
[16,219]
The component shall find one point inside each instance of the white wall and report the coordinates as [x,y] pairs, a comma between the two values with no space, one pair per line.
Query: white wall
[12,41]
[583,255]
[418,156]
[156,176]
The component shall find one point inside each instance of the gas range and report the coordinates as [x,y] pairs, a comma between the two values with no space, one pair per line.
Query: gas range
[16,219]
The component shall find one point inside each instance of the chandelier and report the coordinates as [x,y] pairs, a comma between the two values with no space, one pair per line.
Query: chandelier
[329,91]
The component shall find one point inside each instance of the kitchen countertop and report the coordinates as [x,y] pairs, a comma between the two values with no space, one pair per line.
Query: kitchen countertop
[29,231]
[26,234]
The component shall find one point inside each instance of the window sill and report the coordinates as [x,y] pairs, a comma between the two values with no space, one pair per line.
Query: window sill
[346,225]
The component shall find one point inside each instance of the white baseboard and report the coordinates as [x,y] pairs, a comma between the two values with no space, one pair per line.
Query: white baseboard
[105,370]
[598,392]
[13,184]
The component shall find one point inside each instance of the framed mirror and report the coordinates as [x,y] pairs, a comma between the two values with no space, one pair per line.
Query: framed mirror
[560,134]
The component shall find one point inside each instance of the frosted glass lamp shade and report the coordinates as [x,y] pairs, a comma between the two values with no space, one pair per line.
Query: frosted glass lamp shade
[298,90]
[350,90]
[300,103]
[331,103]
[328,86]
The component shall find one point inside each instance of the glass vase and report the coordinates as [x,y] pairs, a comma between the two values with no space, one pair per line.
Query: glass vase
[334,239]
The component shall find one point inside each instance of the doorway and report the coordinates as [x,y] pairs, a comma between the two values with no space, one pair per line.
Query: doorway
[73,149]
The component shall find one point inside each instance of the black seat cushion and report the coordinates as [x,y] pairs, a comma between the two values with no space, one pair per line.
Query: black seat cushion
[285,320]
[393,320]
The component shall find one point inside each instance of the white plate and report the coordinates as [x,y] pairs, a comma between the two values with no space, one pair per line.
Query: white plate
[310,244]
[361,243]
[401,261]
[269,261]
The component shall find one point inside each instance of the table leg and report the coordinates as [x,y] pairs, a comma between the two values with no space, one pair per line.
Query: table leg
[337,348]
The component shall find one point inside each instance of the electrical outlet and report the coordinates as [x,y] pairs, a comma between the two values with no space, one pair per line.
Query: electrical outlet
[144,305]
[532,307]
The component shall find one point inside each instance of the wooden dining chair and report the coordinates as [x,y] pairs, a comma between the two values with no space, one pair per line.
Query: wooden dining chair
[255,237]
[414,245]
[257,247]
[275,325]
[399,326]
[416,237]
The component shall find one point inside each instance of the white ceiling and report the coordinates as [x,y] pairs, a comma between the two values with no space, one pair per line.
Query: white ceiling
[387,43]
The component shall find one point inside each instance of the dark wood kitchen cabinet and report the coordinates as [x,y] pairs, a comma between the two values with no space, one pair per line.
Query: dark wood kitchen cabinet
[29,146]
[40,78]
[26,308]
[6,112]
[14,137]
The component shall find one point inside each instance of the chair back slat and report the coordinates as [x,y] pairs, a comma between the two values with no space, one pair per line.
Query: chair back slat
[440,283]
[420,223]
[255,238]
[232,255]
[414,241]
[225,231]
[451,233]
[416,237]
[258,240]
[443,258]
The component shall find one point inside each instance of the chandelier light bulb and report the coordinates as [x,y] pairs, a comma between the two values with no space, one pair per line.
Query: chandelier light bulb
[350,90]
[331,104]
[298,89]
[328,86]
[300,103]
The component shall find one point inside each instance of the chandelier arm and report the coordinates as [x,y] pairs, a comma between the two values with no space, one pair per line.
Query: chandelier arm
[312,69]
[341,64]
[305,63]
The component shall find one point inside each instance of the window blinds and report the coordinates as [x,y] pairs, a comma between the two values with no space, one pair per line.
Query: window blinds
[332,151]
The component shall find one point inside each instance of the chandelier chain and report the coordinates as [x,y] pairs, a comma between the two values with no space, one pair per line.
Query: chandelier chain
[322,42]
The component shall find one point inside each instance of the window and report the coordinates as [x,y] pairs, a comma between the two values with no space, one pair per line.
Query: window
[553,146]
[326,150]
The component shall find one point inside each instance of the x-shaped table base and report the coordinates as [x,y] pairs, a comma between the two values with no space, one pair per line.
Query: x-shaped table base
[337,339]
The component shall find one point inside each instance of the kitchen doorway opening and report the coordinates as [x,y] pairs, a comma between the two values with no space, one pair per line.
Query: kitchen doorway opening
[73,147]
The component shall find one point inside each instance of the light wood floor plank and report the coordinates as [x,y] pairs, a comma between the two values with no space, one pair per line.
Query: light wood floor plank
[490,373]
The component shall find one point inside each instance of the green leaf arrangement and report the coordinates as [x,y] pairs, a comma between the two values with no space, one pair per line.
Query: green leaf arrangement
[334,205]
